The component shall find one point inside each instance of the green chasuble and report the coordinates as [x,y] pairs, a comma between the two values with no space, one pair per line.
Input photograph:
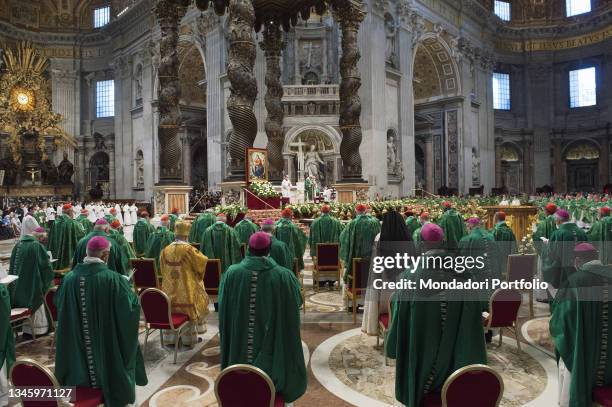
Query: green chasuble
[431,335]
[97,334]
[7,338]
[128,250]
[117,260]
[601,236]
[173,219]
[558,255]
[281,253]
[142,231]
[203,222]
[357,240]
[506,243]
[325,229]
[63,239]
[29,261]
[158,242]
[87,225]
[545,228]
[308,189]
[220,241]
[454,227]
[261,300]
[578,324]
[413,224]
[245,228]
[289,233]
[110,218]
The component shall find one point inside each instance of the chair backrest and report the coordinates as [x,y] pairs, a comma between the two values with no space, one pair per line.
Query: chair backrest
[156,307]
[504,307]
[145,273]
[29,373]
[50,304]
[328,254]
[256,387]
[360,271]
[521,266]
[473,385]
[212,276]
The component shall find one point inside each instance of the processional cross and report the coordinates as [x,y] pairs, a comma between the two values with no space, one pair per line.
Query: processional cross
[300,156]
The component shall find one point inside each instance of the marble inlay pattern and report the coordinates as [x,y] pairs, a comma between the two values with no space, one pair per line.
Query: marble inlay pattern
[537,333]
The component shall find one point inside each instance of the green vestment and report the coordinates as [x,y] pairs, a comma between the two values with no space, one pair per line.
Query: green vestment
[506,243]
[324,229]
[157,242]
[29,261]
[244,229]
[431,336]
[7,338]
[259,323]
[558,255]
[203,222]
[545,228]
[413,224]
[357,240]
[97,334]
[109,218]
[220,241]
[601,236]
[87,225]
[63,239]
[308,190]
[128,250]
[117,260]
[454,227]
[142,230]
[173,219]
[286,231]
[281,254]
[579,322]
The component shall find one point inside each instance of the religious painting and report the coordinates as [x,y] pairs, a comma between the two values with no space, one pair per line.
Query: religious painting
[257,164]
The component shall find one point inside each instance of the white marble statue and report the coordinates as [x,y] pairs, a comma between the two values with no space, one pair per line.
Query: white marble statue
[312,161]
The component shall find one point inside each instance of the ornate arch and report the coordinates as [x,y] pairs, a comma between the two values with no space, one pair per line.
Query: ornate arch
[436,74]
[581,149]
[192,71]
[296,131]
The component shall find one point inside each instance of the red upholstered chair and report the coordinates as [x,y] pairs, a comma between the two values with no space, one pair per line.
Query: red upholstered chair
[602,396]
[145,274]
[246,385]
[29,373]
[470,386]
[503,313]
[21,316]
[51,308]
[523,266]
[326,261]
[212,278]
[357,282]
[384,320]
[158,314]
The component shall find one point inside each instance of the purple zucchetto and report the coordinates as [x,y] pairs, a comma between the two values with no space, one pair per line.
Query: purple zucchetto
[473,221]
[562,214]
[260,241]
[98,243]
[584,248]
[432,233]
[40,229]
[101,222]
[268,222]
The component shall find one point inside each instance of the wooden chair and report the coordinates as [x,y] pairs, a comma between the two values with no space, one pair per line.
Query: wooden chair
[212,278]
[256,388]
[21,316]
[157,310]
[357,283]
[145,274]
[29,373]
[51,308]
[602,396]
[300,276]
[326,261]
[384,320]
[472,385]
[523,267]
[503,313]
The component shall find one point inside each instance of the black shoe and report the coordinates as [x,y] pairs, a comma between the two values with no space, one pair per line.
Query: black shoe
[322,283]
[489,336]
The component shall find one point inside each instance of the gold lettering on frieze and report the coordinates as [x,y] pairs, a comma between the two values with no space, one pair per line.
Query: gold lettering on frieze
[555,45]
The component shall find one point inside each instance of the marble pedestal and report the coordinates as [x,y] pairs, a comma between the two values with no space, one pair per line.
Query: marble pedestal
[350,192]
[233,192]
[168,197]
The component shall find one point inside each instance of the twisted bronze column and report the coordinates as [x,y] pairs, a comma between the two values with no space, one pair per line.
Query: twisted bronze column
[243,83]
[272,45]
[350,15]
[169,14]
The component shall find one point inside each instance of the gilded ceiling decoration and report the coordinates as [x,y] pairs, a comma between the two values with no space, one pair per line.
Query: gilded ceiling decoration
[191,73]
[426,80]
[509,154]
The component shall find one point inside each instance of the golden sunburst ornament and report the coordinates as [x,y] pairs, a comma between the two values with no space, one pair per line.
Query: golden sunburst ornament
[22,99]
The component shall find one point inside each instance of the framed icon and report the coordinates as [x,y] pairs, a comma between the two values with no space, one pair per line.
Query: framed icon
[257,164]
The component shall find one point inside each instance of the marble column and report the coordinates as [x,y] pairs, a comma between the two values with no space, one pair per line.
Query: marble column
[559,179]
[604,162]
[498,163]
[406,114]
[272,45]
[429,164]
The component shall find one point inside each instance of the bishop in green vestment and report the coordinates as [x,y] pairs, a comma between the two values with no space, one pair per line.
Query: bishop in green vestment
[579,328]
[289,233]
[245,228]
[142,230]
[174,216]
[203,222]
[416,235]
[279,251]
[117,260]
[221,242]
[412,222]
[324,229]
[308,189]
[30,262]
[63,238]
[158,241]
[452,224]
[545,227]
[558,256]
[259,319]
[358,238]
[600,235]
[432,333]
[116,232]
[97,329]
[112,215]
[504,238]
[7,338]
[84,221]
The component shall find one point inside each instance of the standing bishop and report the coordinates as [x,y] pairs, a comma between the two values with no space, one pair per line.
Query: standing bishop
[221,242]
[203,221]
[142,231]
[117,259]
[83,219]
[245,228]
[452,224]
[63,237]
[288,232]
[279,251]
[158,241]
[357,238]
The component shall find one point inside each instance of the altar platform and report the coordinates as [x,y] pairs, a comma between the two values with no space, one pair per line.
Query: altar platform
[36,191]
[519,218]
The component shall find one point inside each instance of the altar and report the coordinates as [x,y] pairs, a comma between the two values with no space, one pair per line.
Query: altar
[519,218]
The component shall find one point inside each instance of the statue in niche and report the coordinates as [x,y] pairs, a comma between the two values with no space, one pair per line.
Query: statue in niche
[475,167]
[49,172]
[312,160]
[311,108]
[65,170]
[392,157]
[139,169]
[390,31]
[138,83]
[99,140]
